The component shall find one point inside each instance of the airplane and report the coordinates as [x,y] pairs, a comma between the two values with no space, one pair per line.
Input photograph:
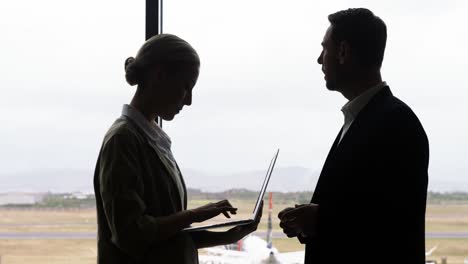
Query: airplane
[252,249]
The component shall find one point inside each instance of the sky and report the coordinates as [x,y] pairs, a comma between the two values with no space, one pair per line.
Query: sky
[260,87]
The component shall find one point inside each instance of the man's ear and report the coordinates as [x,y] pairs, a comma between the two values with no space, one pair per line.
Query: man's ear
[344,52]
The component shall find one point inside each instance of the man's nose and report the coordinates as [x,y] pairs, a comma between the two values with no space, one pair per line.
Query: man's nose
[188,98]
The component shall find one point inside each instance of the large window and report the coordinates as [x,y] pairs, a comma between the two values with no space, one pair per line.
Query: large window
[260,88]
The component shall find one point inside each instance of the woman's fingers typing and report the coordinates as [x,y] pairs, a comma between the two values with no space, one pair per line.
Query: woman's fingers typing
[213,209]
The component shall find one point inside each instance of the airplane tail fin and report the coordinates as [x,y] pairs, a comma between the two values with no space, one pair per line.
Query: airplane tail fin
[270,224]
[428,253]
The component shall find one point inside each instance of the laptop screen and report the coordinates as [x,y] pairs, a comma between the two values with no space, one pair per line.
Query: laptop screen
[265,184]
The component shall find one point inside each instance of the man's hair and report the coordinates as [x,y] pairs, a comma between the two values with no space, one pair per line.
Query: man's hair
[365,33]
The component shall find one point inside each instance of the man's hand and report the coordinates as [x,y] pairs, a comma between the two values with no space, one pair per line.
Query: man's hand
[288,231]
[302,219]
[211,210]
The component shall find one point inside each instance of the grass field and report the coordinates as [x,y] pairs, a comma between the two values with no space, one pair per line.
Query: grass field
[440,218]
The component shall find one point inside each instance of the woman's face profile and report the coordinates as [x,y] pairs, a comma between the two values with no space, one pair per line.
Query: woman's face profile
[170,93]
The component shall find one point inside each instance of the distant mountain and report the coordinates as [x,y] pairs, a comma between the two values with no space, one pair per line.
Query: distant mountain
[287,179]
[72,180]
[45,180]
[284,179]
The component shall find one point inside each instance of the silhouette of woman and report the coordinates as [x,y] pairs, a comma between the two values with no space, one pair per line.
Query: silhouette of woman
[141,197]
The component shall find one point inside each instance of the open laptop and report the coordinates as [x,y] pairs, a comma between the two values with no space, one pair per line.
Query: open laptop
[256,210]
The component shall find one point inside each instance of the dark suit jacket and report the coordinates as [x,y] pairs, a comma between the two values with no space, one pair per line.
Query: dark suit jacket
[133,189]
[372,189]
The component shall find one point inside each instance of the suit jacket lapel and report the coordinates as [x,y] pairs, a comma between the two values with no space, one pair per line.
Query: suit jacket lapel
[362,122]
[185,188]
[171,173]
[356,130]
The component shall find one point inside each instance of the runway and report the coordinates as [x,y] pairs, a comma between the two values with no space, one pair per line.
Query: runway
[92,235]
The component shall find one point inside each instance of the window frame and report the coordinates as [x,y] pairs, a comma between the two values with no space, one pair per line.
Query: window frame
[153,25]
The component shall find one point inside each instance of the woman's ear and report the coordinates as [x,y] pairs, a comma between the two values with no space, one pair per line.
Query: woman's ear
[153,76]
[150,77]
[158,73]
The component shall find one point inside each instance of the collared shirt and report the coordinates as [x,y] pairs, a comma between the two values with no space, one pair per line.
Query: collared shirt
[352,108]
[161,143]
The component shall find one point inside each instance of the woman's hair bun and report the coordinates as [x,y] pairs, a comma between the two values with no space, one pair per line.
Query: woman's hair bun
[131,72]
[168,51]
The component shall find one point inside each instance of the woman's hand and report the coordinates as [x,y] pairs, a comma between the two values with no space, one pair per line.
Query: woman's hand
[211,210]
[210,239]
[237,233]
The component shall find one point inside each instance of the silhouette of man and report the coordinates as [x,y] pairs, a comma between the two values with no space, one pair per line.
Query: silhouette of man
[370,200]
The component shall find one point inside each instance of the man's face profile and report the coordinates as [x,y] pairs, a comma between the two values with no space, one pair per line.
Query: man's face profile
[329,61]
